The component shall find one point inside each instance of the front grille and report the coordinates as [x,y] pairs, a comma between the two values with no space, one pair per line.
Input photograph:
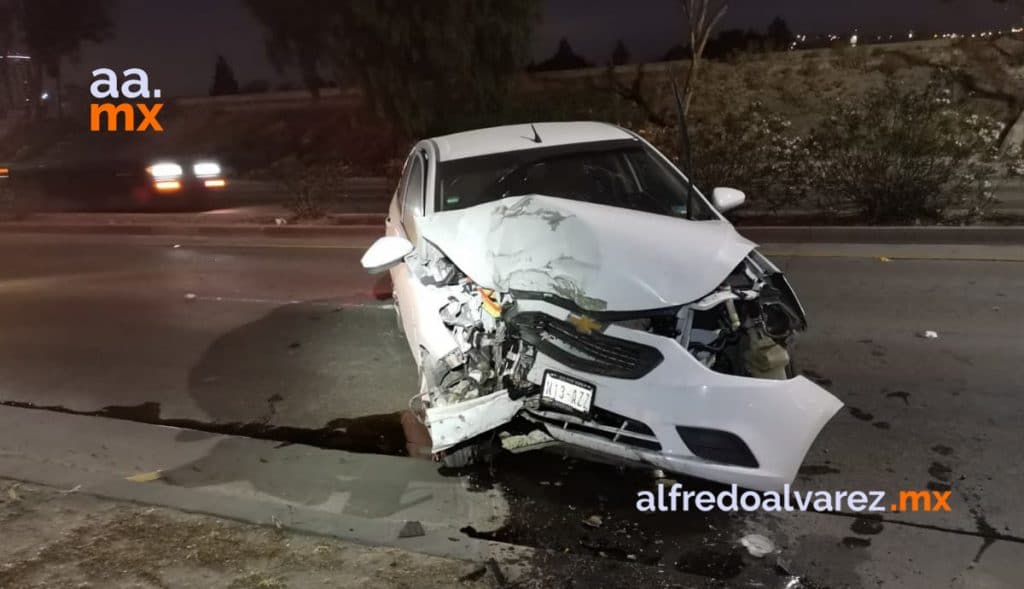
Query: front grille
[594,353]
[605,417]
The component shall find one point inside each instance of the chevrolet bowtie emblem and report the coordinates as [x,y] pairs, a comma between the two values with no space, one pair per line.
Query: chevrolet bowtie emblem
[584,324]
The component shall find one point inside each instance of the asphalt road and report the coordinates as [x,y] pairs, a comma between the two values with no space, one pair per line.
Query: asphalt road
[215,333]
[293,334]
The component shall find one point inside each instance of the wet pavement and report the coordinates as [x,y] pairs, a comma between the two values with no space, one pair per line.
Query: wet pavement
[296,346]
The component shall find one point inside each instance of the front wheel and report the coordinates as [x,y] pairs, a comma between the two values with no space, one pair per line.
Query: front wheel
[476,451]
[462,457]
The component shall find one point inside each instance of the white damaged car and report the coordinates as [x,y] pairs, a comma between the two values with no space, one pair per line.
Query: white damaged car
[569,276]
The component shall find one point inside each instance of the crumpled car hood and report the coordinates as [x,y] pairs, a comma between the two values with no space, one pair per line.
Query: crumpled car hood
[602,258]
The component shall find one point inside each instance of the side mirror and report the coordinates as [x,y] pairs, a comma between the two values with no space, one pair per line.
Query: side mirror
[385,253]
[727,199]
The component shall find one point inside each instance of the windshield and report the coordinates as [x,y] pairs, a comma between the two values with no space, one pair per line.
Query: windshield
[625,174]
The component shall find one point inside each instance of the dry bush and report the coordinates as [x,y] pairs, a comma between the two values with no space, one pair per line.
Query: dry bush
[891,64]
[903,155]
[312,187]
[851,58]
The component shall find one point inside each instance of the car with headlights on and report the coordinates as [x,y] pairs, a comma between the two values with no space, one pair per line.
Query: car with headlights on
[568,277]
[98,182]
[198,178]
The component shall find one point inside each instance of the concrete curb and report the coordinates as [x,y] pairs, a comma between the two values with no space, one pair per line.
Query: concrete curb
[370,223]
[98,460]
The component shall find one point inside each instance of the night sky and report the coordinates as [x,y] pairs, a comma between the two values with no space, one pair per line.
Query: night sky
[176,42]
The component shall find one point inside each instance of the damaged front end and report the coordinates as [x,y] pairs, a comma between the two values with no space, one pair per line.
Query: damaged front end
[472,363]
[513,325]
[746,326]
[706,389]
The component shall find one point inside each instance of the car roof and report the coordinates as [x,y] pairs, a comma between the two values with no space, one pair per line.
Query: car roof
[520,137]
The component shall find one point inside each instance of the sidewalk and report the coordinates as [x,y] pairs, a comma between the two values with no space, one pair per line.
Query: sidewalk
[64,538]
[364,498]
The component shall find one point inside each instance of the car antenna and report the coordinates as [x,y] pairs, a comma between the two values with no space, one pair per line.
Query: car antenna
[536,135]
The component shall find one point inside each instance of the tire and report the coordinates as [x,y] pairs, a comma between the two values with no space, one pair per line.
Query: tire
[462,457]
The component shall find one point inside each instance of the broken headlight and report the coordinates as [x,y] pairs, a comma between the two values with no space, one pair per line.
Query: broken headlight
[744,327]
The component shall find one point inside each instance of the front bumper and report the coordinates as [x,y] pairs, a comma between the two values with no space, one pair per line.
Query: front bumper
[776,420]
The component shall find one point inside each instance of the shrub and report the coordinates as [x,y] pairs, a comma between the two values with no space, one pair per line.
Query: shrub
[312,187]
[899,155]
[746,148]
[754,77]
[891,64]
[810,68]
[851,58]
[755,151]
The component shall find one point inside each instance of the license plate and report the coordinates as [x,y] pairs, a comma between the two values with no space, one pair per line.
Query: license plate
[567,392]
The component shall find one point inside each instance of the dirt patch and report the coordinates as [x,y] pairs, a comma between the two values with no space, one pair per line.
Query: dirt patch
[56,538]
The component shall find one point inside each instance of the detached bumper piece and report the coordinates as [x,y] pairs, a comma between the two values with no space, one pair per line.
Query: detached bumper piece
[593,353]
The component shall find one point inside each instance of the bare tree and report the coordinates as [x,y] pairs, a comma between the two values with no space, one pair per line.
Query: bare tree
[702,16]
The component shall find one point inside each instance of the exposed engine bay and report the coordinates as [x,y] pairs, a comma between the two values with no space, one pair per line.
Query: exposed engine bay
[746,326]
[485,355]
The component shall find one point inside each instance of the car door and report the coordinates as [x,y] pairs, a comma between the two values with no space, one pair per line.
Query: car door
[406,207]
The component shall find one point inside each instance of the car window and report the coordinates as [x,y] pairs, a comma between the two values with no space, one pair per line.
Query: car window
[619,174]
[412,198]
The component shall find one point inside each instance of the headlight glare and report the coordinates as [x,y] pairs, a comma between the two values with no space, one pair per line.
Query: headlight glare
[164,170]
[206,169]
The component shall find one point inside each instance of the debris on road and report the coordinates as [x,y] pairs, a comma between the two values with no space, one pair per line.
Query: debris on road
[280,221]
[145,477]
[757,545]
[884,259]
[412,529]
[928,334]
[593,521]
[534,440]
[12,492]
